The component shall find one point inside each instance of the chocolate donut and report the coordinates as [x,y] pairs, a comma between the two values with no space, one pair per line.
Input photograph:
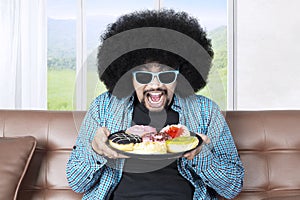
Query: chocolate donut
[123,141]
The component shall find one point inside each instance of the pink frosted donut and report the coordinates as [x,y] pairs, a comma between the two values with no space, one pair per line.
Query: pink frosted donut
[140,130]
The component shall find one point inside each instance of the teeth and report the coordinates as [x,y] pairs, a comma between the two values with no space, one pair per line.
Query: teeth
[155,93]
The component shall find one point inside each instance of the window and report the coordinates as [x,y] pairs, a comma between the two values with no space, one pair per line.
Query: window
[68,63]
[61,59]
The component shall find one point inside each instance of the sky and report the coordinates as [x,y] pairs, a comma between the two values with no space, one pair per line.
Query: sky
[210,13]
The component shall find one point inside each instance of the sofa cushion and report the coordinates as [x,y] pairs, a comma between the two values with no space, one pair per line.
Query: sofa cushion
[15,156]
[283,198]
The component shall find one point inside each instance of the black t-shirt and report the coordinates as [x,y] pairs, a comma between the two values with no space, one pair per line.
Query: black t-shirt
[152,180]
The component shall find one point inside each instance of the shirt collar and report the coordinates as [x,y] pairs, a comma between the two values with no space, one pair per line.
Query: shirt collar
[176,103]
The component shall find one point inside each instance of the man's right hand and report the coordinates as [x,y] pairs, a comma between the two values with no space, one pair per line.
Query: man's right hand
[100,147]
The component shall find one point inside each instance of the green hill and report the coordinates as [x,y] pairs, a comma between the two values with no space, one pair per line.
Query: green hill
[218,37]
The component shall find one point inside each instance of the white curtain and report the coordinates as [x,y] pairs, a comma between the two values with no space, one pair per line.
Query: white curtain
[23,54]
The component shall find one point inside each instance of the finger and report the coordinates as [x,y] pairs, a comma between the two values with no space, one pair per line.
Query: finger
[102,149]
[191,154]
[106,131]
[122,156]
[102,134]
[118,156]
[205,138]
[186,155]
[109,152]
[96,148]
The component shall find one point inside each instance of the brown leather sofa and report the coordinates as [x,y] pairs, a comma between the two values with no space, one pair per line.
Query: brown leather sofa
[268,143]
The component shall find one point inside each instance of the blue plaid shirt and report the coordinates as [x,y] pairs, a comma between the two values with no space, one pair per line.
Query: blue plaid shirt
[217,166]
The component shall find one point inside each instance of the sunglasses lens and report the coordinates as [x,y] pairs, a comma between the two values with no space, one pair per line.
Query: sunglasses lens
[143,78]
[167,77]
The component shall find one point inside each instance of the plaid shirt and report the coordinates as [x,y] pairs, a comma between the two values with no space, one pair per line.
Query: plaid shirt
[217,166]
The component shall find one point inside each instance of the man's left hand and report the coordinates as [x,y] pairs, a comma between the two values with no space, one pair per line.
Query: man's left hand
[191,154]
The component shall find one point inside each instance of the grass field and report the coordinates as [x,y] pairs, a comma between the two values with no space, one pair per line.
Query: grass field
[61,87]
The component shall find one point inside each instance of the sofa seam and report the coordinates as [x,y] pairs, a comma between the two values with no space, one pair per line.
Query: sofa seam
[47,154]
[263,121]
[4,124]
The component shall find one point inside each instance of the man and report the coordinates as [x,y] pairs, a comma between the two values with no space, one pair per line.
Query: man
[152,63]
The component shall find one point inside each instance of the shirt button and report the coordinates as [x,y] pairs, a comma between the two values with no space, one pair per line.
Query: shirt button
[98,162]
[74,147]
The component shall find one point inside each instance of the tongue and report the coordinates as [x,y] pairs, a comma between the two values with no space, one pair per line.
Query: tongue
[155,98]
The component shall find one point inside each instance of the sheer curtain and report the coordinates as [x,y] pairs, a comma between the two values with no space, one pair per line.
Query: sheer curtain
[23,54]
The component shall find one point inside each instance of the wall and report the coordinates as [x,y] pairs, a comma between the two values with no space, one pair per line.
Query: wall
[267,54]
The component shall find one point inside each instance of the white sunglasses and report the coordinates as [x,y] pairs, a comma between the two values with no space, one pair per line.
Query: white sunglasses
[164,77]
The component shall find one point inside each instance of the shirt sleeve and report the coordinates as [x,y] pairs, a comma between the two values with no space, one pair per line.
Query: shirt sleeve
[84,166]
[218,164]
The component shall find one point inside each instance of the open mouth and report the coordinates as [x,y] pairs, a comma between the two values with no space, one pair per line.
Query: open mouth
[156,99]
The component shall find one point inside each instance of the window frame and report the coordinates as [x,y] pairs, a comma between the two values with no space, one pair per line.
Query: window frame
[81,56]
[231,58]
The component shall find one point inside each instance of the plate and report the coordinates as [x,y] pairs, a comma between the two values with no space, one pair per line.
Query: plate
[163,156]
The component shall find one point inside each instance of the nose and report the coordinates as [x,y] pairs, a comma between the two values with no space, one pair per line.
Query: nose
[155,81]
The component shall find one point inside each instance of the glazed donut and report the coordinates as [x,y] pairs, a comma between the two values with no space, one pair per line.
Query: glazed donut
[123,141]
[182,144]
[150,148]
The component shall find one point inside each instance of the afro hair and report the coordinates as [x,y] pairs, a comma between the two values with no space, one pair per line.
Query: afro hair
[169,19]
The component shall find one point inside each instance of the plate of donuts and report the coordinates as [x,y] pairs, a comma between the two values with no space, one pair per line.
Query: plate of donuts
[144,142]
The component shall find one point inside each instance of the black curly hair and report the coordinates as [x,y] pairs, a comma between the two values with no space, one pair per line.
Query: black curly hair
[166,18]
